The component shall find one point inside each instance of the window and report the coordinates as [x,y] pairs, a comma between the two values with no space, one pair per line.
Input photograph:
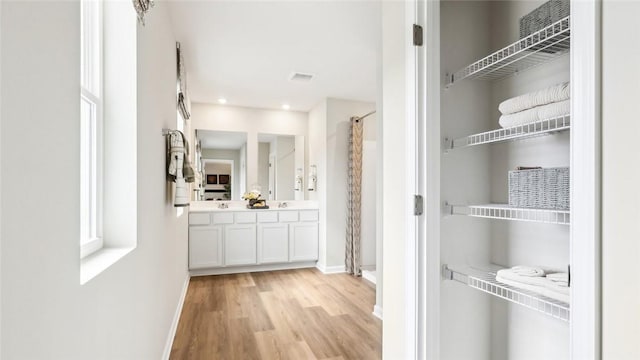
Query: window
[91,136]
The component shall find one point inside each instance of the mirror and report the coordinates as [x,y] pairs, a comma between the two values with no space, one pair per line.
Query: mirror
[281,166]
[221,158]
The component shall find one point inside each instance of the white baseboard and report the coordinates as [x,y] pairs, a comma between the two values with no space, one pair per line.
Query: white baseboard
[176,319]
[377,312]
[367,275]
[251,268]
[331,269]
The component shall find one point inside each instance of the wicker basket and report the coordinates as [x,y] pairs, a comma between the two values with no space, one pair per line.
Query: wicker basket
[540,188]
[543,16]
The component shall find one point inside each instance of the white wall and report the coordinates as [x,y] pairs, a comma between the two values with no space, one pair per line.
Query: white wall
[621,176]
[252,121]
[0,180]
[125,312]
[339,112]
[318,156]
[395,34]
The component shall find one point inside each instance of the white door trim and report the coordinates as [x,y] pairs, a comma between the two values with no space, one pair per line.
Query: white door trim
[585,256]
[429,152]
[411,175]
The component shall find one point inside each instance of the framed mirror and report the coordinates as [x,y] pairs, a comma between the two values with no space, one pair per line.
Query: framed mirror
[281,166]
[221,162]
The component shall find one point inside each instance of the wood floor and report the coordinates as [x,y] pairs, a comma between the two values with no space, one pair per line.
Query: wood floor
[291,314]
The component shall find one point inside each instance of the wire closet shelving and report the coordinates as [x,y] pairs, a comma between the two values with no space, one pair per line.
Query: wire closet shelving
[538,128]
[485,280]
[506,212]
[542,46]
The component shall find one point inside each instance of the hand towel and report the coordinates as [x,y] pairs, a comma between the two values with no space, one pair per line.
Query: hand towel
[530,271]
[549,95]
[537,289]
[544,112]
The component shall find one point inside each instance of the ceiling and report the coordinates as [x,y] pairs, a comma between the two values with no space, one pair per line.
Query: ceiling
[245,51]
[222,140]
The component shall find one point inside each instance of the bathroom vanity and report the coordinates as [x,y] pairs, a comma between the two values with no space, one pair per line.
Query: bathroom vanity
[227,237]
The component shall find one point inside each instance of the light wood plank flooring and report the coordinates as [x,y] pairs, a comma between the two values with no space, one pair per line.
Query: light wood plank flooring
[291,314]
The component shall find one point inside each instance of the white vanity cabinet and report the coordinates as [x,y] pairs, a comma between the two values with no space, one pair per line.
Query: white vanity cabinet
[240,244]
[303,237]
[205,246]
[273,243]
[228,241]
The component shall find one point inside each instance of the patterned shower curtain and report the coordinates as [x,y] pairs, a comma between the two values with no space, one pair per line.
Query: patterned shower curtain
[352,250]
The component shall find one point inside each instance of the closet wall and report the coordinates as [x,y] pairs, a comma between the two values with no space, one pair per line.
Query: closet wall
[474,324]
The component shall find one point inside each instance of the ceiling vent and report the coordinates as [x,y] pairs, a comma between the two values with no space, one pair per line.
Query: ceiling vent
[296,76]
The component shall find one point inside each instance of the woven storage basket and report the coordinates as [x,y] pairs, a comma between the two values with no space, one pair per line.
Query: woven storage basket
[540,188]
[543,16]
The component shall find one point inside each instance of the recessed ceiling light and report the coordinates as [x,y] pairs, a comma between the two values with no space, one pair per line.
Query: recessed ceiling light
[286,107]
[222,100]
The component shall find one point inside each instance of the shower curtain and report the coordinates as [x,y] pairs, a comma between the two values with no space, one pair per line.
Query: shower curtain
[354,184]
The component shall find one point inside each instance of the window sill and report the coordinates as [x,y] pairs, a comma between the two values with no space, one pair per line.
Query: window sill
[92,265]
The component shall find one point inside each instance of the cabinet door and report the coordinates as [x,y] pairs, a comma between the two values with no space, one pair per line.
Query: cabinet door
[273,243]
[303,241]
[205,247]
[240,244]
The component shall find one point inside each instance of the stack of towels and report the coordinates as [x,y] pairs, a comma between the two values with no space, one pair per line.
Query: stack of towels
[552,284]
[535,106]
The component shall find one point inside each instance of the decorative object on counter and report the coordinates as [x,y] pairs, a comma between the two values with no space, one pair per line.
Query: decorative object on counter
[142,7]
[298,180]
[547,188]
[254,200]
[179,169]
[312,181]
[543,16]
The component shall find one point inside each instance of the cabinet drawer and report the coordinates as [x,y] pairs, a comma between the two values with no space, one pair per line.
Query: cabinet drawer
[268,217]
[199,219]
[245,218]
[288,216]
[223,218]
[309,215]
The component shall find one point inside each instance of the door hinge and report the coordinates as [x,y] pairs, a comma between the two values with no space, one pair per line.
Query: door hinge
[418,205]
[417,35]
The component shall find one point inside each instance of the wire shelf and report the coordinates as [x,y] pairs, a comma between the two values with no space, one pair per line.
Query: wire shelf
[538,128]
[506,212]
[486,281]
[537,48]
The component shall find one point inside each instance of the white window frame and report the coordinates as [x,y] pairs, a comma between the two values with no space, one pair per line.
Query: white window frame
[92,128]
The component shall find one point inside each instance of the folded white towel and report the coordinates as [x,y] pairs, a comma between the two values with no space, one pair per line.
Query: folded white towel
[560,279]
[528,271]
[536,281]
[543,112]
[549,95]
[544,291]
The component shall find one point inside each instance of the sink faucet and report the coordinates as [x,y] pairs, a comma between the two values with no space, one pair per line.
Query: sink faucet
[283,204]
[223,205]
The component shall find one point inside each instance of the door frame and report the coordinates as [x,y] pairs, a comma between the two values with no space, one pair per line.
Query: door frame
[585,242]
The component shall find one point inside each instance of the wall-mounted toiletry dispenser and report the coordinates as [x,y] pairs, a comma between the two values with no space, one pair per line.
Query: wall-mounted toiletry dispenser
[298,180]
[313,179]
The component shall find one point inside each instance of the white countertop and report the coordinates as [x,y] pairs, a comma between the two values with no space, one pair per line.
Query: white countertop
[213,206]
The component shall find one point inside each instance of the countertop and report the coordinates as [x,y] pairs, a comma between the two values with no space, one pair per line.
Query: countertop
[233,206]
